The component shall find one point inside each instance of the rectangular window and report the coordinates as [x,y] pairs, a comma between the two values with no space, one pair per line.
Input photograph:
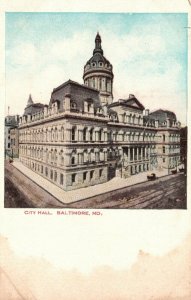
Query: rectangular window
[163,149]
[91,174]
[100,172]
[163,160]
[51,174]
[55,176]
[73,178]
[73,134]
[41,169]
[91,135]
[163,137]
[84,176]
[61,179]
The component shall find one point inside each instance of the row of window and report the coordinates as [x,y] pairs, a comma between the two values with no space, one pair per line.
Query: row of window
[171,149]
[172,138]
[58,159]
[58,177]
[87,156]
[87,134]
[102,84]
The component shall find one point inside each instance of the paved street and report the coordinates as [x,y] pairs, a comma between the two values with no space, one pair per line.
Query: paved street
[21,191]
[165,192]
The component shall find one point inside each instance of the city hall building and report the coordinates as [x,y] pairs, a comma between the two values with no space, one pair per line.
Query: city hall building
[84,138]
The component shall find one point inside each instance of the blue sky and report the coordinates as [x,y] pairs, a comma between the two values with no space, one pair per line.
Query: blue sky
[148,52]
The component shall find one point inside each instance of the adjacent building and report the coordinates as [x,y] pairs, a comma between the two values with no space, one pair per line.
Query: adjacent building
[11,136]
[84,137]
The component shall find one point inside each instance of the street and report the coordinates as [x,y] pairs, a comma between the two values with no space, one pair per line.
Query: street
[163,193]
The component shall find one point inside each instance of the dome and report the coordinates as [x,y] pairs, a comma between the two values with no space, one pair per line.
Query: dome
[98,73]
[98,60]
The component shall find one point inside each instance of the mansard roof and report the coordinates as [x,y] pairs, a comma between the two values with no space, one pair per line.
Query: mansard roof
[77,92]
[33,108]
[162,115]
[71,82]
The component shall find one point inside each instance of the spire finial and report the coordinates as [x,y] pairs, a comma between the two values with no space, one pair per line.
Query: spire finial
[30,101]
[98,48]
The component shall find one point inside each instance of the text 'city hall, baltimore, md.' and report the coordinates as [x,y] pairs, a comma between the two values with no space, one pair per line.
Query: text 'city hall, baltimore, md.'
[84,138]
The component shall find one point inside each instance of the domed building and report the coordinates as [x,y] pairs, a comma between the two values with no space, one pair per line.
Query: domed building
[83,137]
[98,73]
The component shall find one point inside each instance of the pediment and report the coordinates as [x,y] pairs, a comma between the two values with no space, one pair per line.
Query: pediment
[134,103]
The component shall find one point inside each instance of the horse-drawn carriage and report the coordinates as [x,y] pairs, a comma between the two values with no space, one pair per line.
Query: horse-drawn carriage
[152,176]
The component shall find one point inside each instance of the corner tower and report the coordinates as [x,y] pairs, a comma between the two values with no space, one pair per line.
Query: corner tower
[98,73]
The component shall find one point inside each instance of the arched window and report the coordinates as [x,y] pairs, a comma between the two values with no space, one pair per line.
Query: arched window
[52,156]
[84,134]
[73,105]
[92,156]
[55,176]
[47,155]
[61,158]
[73,133]
[97,156]
[62,133]
[73,158]
[52,135]
[91,134]
[100,83]
[56,134]
[55,156]
[61,179]
[88,107]
[100,135]
[86,156]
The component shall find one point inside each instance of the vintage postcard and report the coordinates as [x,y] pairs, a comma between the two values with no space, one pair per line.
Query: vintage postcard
[96,126]
[96,150]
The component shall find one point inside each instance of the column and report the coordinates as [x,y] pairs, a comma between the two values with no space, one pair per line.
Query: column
[68,133]
[141,153]
[80,133]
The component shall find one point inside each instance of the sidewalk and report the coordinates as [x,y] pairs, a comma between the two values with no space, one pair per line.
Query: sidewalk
[84,193]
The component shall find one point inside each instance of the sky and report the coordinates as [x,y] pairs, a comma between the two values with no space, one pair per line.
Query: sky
[148,52]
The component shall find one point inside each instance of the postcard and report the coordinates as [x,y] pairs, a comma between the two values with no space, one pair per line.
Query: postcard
[95,191]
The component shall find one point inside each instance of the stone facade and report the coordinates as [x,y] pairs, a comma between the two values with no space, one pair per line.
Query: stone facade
[14,136]
[82,139]
[10,129]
